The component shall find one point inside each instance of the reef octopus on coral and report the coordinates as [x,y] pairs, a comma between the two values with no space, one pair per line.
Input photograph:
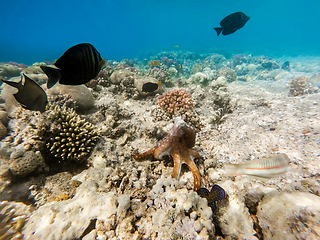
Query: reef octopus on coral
[177,143]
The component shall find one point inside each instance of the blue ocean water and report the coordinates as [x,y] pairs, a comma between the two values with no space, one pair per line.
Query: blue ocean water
[35,31]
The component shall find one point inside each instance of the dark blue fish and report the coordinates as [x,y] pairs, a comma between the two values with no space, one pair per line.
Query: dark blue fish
[78,65]
[217,193]
[151,86]
[232,23]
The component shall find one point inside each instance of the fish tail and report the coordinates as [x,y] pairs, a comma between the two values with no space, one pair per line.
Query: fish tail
[218,30]
[102,63]
[13,84]
[53,73]
[233,169]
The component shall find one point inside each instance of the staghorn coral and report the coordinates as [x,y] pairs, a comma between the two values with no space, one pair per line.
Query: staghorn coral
[74,138]
[177,143]
[11,222]
[175,100]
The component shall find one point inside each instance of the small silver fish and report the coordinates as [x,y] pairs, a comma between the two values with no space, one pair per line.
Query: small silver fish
[315,80]
[30,95]
[262,169]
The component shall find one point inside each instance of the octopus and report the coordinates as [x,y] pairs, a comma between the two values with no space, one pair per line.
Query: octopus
[177,144]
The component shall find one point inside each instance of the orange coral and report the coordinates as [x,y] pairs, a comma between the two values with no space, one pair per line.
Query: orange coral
[175,100]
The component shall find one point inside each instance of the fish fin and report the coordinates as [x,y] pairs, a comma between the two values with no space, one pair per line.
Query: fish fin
[17,85]
[221,194]
[218,30]
[102,63]
[203,192]
[233,169]
[159,83]
[53,73]
[262,179]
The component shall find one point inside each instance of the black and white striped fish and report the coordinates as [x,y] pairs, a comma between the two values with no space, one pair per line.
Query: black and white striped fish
[78,65]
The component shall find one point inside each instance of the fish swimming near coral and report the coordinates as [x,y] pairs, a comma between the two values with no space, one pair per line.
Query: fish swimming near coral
[78,65]
[216,193]
[151,86]
[232,23]
[30,95]
[154,63]
[262,169]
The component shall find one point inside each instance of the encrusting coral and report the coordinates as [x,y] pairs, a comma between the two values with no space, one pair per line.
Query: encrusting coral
[74,138]
[177,143]
[175,100]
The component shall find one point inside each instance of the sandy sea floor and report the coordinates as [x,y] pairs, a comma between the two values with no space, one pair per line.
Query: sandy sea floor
[245,108]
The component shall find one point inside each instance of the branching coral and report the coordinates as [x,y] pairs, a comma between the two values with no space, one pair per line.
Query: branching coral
[175,100]
[74,138]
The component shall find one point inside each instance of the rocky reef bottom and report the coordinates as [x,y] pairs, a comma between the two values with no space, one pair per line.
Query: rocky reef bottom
[242,108]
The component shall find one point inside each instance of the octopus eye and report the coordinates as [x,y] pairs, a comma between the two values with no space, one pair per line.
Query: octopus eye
[186,135]
[180,139]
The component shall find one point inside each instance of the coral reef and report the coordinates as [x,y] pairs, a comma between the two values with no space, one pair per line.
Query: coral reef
[177,144]
[175,100]
[229,74]
[107,194]
[9,70]
[167,205]
[73,138]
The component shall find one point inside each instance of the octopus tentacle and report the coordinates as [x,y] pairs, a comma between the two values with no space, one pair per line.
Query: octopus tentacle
[193,154]
[177,143]
[145,154]
[196,175]
[176,165]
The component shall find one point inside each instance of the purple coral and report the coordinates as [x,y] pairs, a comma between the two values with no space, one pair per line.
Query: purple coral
[158,73]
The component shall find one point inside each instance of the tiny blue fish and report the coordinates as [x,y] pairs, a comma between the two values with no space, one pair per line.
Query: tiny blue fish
[217,193]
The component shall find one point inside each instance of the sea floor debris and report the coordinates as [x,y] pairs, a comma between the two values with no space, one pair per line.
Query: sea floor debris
[113,196]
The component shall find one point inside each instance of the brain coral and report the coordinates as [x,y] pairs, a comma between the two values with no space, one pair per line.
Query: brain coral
[72,138]
[175,100]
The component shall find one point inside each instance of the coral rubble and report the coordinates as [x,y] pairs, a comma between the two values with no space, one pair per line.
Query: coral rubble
[12,219]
